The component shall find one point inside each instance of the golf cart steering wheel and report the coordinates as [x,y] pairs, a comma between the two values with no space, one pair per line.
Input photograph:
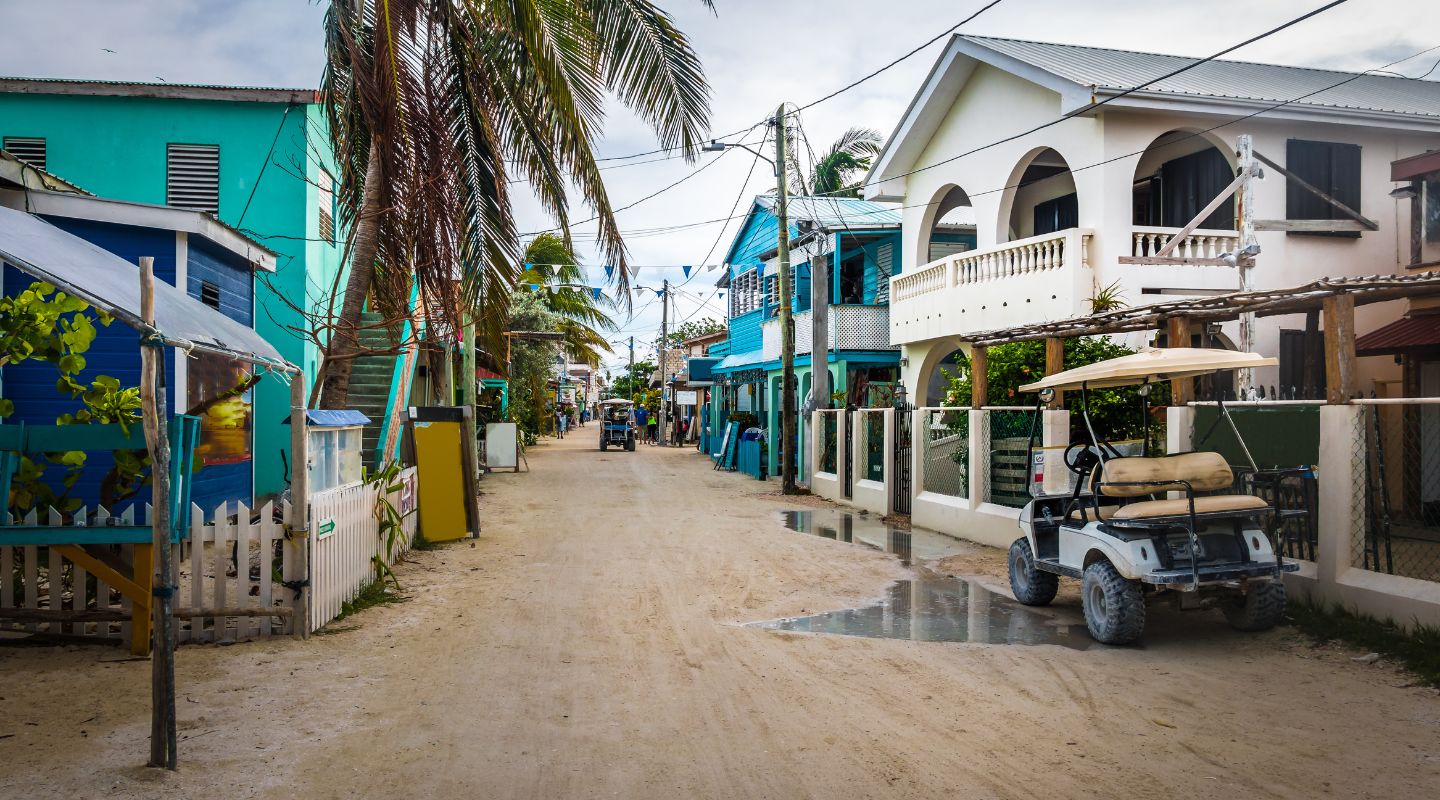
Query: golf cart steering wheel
[1080,459]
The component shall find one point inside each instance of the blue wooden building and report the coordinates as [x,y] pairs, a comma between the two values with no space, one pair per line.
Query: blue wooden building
[192,250]
[859,241]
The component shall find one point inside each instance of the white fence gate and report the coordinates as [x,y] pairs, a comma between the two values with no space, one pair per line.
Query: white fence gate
[345,541]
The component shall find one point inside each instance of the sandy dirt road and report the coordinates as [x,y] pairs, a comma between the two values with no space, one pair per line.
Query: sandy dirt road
[589,645]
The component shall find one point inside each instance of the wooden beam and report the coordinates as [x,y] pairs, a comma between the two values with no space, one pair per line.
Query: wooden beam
[1311,225]
[238,611]
[107,573]
[1177,333]
[979,376]
[61,615]
[1055,362]
[1340,378]
[1168,261]
[1369,224]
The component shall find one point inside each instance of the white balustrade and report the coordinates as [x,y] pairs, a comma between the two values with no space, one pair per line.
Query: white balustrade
[1051,251]
[1199,243]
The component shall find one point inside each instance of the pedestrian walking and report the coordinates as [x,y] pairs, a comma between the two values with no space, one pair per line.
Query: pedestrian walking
[562,422]
[642,416]
[652,428]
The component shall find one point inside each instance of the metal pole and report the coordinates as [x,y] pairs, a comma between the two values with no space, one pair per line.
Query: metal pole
[630,376]
[1245,210]
[664,348]
[153,408]
[787,322]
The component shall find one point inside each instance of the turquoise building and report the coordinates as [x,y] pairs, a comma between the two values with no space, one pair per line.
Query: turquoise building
[258,159]
[859,241]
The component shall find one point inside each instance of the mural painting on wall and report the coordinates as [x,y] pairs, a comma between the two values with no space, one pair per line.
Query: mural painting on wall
[225,423]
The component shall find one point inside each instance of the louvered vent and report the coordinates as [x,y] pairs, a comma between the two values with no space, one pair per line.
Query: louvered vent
[884,267]
[326,197]
[192,176]
[210,294]
[26,148]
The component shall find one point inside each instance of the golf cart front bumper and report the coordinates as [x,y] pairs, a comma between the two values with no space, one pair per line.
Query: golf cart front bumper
[1218,573]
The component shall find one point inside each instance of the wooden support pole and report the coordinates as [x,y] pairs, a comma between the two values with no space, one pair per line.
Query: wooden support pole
[1177,333]
[156,556]
[1339,348]
[979,376]
[297,532]
[1055,362]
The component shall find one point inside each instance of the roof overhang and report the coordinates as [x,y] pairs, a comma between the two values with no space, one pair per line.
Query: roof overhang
[142,215]
[1408,169]
[163,91]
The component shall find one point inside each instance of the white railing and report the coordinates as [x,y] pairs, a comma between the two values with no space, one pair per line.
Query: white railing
[346,540]
[1199,243]
[1051,251]
[852,327]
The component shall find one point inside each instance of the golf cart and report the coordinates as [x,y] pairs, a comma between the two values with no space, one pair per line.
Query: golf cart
[1136,528]
[617,424]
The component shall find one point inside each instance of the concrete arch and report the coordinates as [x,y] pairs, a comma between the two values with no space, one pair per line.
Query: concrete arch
[1177,143]
[924,362]
[946,199]
[1028,185]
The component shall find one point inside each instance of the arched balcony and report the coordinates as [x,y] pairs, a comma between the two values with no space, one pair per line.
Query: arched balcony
[1175,178]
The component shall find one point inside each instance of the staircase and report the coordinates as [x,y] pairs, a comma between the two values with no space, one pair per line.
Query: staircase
[370,383]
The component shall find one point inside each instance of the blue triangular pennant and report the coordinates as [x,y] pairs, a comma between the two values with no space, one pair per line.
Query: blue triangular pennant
[595,292]
[609,271]
[534,287]
[659,292]
[686,269]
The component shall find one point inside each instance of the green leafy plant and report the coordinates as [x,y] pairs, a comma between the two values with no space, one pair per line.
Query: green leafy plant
[386,481]
[1108,298]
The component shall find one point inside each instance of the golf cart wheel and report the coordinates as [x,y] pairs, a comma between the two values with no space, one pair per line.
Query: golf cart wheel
[603,445]
[1259,609]
[630,444]
[1114,607]
[1030,586]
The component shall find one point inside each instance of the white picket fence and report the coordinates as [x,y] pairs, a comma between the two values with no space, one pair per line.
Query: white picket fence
[228,570]
[345,541]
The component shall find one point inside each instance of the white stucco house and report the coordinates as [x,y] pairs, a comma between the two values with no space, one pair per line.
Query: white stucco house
[1057,206]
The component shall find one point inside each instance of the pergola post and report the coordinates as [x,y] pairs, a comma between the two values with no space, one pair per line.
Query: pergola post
[1339,311]
[1055,362]
[1177,333]
[979,376]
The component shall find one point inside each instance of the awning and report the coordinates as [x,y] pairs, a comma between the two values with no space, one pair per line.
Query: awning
[333,418]
[112,284]
[1407,333]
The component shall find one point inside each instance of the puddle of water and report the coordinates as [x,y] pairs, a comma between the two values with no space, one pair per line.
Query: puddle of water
[842,526]
[928,607]
[931,608]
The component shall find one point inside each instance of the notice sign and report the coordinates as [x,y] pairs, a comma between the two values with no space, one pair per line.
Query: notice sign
[686,397]
[326,528]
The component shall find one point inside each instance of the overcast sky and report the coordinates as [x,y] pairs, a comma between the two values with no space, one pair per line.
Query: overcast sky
[829,44]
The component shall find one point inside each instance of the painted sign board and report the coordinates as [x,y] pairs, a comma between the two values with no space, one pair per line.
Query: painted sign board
[500,446]
[686,397]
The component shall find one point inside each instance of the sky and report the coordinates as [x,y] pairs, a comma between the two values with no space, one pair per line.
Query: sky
[756,53]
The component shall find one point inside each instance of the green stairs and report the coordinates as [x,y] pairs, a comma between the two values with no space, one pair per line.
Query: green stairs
[370,383]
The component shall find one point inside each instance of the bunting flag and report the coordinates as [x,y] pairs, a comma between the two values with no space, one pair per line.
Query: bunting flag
[595,292]
[534,287]
[529,266]
[609,271]
[686,269]
[659,292]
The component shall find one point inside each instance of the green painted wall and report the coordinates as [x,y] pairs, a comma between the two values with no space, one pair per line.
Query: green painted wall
[115,147]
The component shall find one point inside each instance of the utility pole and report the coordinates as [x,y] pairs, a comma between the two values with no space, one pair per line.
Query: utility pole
[1245,253]
[788,411]
[664,348]
[630,375]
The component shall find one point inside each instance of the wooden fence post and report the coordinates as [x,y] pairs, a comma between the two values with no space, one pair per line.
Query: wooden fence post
[1339,348]
[1177,333]
[979,376]
[297,533]
[1055,362]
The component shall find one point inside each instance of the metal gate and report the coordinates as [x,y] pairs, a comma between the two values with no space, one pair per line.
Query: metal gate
[848,487]
[901,464]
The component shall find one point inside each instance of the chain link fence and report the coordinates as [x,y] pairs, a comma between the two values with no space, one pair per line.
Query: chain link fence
[828,427]
[1396,465]
[873,452]
[1007,437]
[945,442]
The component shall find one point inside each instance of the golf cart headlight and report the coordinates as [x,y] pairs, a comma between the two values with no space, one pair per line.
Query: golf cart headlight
[1047,395]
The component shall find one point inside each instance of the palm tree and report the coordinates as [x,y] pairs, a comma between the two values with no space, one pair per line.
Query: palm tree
[835,172]
[436,107]
[550,265]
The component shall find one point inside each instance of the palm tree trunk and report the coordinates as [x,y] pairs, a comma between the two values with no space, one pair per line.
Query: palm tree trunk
[345,336]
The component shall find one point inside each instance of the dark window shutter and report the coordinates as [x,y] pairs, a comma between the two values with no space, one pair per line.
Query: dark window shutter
[1057,215]
[1331,167]
[1189,183]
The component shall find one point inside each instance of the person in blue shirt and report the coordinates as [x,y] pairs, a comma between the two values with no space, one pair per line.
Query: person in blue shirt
[641,415]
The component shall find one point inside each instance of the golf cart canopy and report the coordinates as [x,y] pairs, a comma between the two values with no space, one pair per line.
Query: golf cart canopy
[1151,365]
[616,401]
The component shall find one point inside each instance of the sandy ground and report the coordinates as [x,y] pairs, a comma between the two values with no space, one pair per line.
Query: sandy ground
[588,645]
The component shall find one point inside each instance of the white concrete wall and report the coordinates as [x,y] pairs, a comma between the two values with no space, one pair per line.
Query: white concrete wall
[871,495]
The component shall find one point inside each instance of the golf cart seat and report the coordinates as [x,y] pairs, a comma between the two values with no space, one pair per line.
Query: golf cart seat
[1135,477]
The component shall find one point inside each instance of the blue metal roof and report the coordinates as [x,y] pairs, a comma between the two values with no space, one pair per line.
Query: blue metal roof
[333,418]
[837,213]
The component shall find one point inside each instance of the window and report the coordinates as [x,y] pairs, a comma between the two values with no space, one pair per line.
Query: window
[1302,359]
[852,277]
[884,268]
[1188,184]
[30,149]
[210,294]
[1425,220]
[772,295]
[1331,167]
[192,177]
[326,200]
[1057,215]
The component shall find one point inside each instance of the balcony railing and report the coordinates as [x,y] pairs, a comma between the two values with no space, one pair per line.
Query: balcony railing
[1198,243]
[1020,257]
[852,327]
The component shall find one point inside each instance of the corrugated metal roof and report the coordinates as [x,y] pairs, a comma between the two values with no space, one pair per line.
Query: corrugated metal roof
[837,212]
[161,89]
[1106,68]
[1401,335]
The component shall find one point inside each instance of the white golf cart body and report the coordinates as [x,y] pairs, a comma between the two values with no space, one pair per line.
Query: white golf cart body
[1162,523]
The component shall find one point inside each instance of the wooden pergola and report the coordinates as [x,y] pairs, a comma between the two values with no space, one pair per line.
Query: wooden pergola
[1334,299]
